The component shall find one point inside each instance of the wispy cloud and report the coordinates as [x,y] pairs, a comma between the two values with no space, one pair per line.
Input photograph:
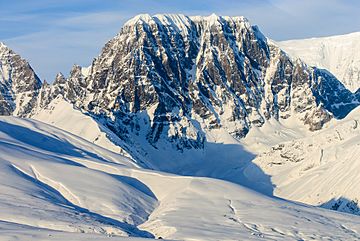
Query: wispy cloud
[74,39]
[55,34]
[94,20]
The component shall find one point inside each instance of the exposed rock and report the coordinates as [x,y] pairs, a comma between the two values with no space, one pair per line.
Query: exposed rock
[170,78]
[19,84]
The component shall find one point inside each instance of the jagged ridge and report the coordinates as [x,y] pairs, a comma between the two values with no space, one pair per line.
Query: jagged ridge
[171,78]
[18,83]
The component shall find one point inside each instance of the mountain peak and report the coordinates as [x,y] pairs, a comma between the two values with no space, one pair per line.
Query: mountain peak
[212,19]
[4,48]
[139,18]
[60,79]
[19,79]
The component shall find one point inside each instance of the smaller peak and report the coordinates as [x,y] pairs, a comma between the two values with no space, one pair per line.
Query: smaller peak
[4,49]
[213,16]
[240,18]
[176,18]
[179,22]
[85,71]
[75,67]
[59,75]
[3,46]
[78,71]
[45,83]
[212,19]
[139,18]
[60,79]
[75,71]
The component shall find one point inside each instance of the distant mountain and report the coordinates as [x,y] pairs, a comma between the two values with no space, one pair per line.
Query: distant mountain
[338,54]
[18,83]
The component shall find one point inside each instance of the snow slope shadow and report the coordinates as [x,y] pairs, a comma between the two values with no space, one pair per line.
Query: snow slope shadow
[135,183]
[229,162]
[182,155]
[53,143]
[29,152]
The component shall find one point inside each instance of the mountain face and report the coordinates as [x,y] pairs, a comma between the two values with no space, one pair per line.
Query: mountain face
[170,79]
[18,84]
[338,54]
[173,77]
[177,93]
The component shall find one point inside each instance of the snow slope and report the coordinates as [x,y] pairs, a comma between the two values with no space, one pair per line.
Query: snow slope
[63,115]
[338,54]
[54,184]
[37,169]
[322,169]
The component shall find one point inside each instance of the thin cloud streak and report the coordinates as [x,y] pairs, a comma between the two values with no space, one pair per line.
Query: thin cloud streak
[54,34]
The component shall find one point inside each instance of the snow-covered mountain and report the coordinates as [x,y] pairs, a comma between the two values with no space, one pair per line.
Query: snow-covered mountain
[338,54]
[193,96]
[106,193]
[166,81]
[18,83]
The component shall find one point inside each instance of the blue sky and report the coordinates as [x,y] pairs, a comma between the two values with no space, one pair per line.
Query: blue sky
[55,34]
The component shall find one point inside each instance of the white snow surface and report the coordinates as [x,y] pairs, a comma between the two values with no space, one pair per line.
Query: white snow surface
[338,54]
[57,186]
[321,169]
[63,115]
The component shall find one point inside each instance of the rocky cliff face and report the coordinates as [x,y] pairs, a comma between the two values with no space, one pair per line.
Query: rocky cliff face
[171,78]
[18,83]
[189,74]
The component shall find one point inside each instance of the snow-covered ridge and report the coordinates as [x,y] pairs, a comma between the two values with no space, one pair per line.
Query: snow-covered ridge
[338,54]
[2,45]
[105,195]
[181,18]
[320,169]
[18,83]
[184,23]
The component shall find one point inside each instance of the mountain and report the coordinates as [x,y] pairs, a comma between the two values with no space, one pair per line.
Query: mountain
[166,81]
[193,96]
[18,83]
[338,54]
[56,186]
